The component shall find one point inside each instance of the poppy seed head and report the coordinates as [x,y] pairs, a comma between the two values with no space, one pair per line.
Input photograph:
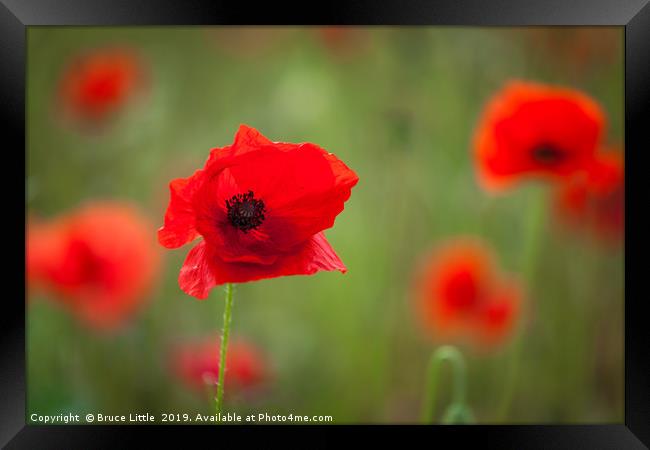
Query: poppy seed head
[245,212]
[548,154]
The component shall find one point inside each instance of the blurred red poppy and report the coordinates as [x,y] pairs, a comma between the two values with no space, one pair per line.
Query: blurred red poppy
[343,41]
[334,35]
[247,42]
[260,207]
[461,295]
[595,198]
[533,130]
[576,51]
[99,261]
[197,364]
[97,84]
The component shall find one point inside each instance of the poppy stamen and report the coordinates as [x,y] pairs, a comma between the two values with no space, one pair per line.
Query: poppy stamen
[548,154]
[245,212]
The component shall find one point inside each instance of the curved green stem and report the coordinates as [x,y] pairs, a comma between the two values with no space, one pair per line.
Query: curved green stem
[458,413]
[442,354]
[227,313]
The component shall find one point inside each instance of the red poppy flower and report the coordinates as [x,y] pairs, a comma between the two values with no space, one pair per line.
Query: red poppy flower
[532,130]
[595,198]
[197,364]
[462,296]
[44,248]
[574,50]
[96,85]
[247,42]
[260,207]
[99,261]
[342,41]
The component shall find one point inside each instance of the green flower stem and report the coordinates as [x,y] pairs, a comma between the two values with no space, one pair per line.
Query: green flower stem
[227,314]
[458,411]
[532,239]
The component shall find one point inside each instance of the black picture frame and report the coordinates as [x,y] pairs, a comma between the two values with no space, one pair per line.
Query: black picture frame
[633,15]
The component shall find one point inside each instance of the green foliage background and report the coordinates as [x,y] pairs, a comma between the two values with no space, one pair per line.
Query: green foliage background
[399,106]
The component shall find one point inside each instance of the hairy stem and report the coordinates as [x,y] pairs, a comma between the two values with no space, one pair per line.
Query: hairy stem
[227,314]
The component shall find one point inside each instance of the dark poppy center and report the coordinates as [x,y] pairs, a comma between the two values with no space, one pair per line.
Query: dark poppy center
[245,211]
[548,154]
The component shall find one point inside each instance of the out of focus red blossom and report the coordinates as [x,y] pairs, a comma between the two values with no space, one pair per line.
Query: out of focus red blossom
[594,200]
[246,42]
[462,297]
[97,84]
[196,364]
[530,130]
[343,42]
[577,49]
[99,261]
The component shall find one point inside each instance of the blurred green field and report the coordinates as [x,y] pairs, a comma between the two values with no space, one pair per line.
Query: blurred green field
[399,106]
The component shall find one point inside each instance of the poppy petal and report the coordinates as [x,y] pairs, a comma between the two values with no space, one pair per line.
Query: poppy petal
[247,140]
[45,247]
[203,269]
[231,244]
[179,227]
[497,318]
[315,255]
[196,278]
[595,200]
[304,189]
